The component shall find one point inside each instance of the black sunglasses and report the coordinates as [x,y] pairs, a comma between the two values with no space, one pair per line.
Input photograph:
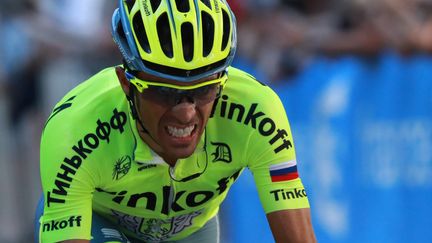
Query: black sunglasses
[170,94]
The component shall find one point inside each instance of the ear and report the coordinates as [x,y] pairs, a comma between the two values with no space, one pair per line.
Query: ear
[124,82]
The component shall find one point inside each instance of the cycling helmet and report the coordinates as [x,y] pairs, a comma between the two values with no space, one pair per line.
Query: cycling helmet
[182,40]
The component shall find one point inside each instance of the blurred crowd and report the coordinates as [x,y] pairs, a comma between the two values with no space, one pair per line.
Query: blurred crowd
[49,46]
[280,37]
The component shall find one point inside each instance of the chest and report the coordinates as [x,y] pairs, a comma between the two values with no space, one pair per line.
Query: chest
[158,189]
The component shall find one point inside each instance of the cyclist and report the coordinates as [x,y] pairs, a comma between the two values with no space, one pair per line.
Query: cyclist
[146,151]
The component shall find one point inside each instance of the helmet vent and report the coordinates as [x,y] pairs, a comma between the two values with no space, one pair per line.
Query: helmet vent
[164,34]
[188,41]
[207,33]
[155,4]
[182,6]
[207,3]
[226,29]
[129,4]
[140,32]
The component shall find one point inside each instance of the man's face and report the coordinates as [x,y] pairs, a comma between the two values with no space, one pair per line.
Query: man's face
[173,129]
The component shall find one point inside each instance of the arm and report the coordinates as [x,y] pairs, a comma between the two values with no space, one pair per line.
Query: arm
[270,155]
[67,179]
[293,225]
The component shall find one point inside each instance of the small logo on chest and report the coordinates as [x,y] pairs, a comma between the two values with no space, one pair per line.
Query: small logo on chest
[222,152]
[122,167]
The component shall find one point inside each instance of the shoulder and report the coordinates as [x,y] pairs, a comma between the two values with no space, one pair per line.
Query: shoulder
[239,77]
[245,88]
[90,99]
[97,103]
[92,123]
[250,112]
[243,94]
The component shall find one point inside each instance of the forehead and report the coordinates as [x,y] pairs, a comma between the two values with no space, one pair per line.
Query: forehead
[151,78]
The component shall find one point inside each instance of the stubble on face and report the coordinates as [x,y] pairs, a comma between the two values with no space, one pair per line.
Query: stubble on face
[173,132]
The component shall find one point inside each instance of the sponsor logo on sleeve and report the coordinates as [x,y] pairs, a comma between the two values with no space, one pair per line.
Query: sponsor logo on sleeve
[285,171]
[288,194]
[81,151]
[256,119]
[73,221]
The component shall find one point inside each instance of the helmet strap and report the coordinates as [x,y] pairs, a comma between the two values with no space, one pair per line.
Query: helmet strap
[134,108]
[131,99]
[135,113]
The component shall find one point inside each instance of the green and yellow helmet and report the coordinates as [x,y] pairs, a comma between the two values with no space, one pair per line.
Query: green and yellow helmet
[182,40]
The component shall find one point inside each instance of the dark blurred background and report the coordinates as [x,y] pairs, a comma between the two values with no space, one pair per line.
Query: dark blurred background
[355,77]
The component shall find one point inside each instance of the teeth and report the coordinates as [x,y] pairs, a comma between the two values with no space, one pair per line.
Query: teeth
[180,132]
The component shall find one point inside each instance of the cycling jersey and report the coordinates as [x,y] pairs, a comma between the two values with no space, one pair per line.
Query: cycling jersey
[92,159]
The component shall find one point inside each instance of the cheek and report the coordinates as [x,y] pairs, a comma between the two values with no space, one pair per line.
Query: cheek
[206,110]
[150,113]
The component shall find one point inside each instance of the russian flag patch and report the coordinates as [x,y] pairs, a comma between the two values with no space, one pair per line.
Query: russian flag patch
[284,171]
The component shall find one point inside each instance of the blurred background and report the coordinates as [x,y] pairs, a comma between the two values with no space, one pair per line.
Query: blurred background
[355,77]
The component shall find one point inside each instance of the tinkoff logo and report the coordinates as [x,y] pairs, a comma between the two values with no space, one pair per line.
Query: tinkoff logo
[282,194]
[251,116]
[61,224]
[83,149]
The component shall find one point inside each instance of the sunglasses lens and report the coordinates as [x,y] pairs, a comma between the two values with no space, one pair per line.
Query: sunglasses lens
[205,94]
[171,96]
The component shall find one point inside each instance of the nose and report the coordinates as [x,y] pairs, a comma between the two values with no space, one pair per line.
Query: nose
[184,111]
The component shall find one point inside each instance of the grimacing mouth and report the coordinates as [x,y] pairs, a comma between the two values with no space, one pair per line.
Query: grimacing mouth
[181,132]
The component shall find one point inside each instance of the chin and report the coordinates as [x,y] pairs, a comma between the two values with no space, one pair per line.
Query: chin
[184,152]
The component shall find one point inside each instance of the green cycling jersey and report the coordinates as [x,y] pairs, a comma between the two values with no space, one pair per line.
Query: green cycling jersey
[93,160]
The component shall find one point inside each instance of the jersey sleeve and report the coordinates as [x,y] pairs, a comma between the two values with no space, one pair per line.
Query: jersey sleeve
[272,158]
[67,180]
